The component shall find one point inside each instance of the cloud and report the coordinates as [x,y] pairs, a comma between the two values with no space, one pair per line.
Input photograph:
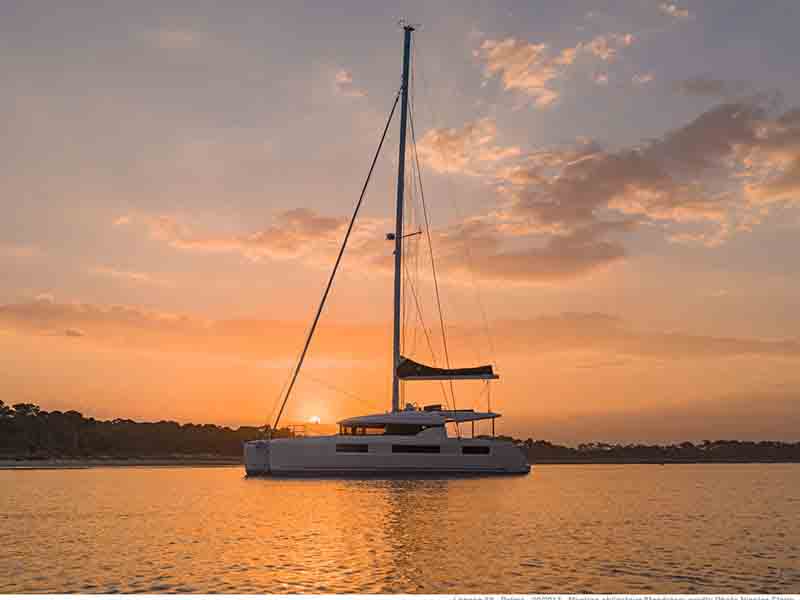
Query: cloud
[528,68]
[533,69]
[129,276]
[476,247]
[755,414]
[704,85]
[606,47]
[19,251]
[700,182]
[135,328]
[615,337]
[343,82]
[783,187]
[772,162]
[467,150]
[674,11]
[562,213]
[173,39]
[480,247]
[569,196]
[129,327]
[642,79]
[712,137]
[299,233]
[292,233]
[44,315]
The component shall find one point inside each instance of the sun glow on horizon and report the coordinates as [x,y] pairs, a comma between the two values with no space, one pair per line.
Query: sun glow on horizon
[315,420]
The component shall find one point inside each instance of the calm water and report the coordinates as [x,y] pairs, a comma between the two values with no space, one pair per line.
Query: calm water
[635,528]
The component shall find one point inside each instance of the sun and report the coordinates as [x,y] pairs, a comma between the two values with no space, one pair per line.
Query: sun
[316,420]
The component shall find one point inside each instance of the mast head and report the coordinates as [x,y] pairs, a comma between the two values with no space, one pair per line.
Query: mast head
[408,26]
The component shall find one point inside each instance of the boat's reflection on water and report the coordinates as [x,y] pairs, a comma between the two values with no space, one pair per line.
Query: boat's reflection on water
[409,517]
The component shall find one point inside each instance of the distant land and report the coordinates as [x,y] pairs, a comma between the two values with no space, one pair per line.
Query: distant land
[30,436]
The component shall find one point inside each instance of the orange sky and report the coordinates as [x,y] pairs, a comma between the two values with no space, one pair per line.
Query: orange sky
[618,195]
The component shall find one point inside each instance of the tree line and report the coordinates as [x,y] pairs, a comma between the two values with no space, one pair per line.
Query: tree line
[705,451]
[27,431]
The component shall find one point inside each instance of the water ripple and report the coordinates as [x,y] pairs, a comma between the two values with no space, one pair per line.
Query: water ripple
[594,529]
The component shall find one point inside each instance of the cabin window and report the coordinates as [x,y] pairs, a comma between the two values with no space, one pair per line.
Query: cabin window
[362,429]
[404,429]
[352,448]
[373,430]
[415,449]
[475,450]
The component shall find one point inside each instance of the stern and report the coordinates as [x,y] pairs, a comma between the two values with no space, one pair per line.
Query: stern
[256,457]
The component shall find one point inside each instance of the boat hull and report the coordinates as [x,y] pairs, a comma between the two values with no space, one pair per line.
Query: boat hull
[382,455]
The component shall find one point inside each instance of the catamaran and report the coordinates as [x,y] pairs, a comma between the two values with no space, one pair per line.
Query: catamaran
[407,440]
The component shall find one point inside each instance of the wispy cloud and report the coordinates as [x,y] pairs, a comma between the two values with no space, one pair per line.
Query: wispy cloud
[674,11]
[563,213]
[524,67]
[298,233]
[704,85]
[128,327]
[660,182]
[534,69]
[699,184]
[606,47]
[480,248]
[270,340]
[19,250]
[135,277]
[467,150]
[173,39]
[343,83]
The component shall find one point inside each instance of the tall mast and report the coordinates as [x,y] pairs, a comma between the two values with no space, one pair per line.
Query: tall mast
[398,231]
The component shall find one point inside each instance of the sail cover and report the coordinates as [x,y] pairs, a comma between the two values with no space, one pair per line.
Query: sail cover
[409,369]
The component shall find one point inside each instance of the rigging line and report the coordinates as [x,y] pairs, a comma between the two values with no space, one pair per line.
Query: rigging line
[427,336]
[408,246]
[336,264]
[403,292]
[407,255]
[405,276]
[414,275]
[334,388]
[275,404]
[433,264]
[413,187]
[280,395]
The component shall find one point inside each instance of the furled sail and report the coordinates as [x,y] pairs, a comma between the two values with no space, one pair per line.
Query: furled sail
[409,369]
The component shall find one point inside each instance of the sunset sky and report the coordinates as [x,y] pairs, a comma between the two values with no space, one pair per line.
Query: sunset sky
[615,184]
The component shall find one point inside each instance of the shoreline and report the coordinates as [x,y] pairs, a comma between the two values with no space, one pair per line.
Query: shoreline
[647,461]
[27,464]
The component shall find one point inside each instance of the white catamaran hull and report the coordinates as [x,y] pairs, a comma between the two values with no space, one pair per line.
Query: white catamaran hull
[355,455]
